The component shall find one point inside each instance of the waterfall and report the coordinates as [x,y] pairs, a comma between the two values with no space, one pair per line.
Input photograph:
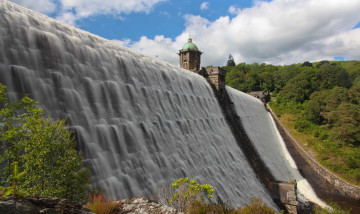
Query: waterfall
[140,122]
[261,129]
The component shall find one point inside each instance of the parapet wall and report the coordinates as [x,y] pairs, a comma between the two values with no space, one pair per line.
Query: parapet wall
[346,189]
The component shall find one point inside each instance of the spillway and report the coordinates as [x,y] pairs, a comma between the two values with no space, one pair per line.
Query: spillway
[261,129]
[140,122]
[262,133]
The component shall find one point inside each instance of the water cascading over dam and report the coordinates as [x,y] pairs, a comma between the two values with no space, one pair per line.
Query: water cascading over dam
[262,131]
[258,126]
[141,122]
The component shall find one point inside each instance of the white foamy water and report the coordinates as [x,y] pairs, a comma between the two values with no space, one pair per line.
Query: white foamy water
[261,129]
[140,122]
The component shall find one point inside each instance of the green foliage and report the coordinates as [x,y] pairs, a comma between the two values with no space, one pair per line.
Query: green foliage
[333,75]
[322,106]
[41,151]
[189,192]
[307,63]
[347,123]
[354,92]
[16,177]
[230,61]
[333,209]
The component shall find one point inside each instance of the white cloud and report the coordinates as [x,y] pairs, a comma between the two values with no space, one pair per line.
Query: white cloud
[164,48]
[42,6]
[234,10]
[204,5]
[73,10]
[277,32]
[124,42]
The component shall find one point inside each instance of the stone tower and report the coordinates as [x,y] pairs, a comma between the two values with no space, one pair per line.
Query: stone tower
[190,56]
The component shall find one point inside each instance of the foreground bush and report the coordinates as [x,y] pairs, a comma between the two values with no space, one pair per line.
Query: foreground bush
[189,192]
[99,204]
[192,198]
[38,156]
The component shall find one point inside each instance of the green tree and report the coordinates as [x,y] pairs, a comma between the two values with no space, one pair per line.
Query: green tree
[346,128]
[333,75]
[354,71]
[14,117]
[354,92]
[297,89]
[283,75]
[230,61]
[44,150]
[306,63]
[322,106]
[266,79]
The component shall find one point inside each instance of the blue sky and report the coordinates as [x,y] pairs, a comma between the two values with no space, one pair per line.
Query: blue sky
[166,18]
[277,32]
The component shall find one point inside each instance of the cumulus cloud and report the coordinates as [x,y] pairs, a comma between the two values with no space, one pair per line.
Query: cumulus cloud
[277,32]
[41,6]
[124,42]
[72,10]
[234,10]
[204,5]
[164,48]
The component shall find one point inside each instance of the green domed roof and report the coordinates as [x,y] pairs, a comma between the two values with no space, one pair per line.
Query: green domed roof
[190,45]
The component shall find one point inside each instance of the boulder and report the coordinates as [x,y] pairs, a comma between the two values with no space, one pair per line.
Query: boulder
[144,205]
[37,205]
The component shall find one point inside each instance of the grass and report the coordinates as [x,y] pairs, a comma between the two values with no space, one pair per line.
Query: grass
[335,209]
[256,206]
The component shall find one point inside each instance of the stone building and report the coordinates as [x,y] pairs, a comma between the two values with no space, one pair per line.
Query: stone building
[264,97]
[216,76]
[190,59]
[190,56]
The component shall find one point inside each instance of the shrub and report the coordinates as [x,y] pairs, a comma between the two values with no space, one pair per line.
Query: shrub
[102,205]
[256,206]
[303,125]
[41,151]
[189,192]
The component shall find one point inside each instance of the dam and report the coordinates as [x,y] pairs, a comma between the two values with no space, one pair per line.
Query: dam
[140,122]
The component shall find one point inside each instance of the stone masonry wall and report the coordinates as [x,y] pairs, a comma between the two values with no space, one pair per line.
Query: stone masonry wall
[346,189]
